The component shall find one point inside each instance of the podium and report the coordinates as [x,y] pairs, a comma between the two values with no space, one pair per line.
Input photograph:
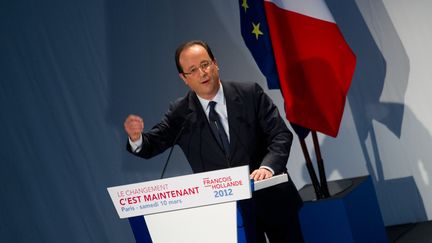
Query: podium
[200,207]
[191,208]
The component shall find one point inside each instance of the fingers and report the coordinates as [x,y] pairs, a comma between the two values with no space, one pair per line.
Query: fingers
[260,174]
[134,126]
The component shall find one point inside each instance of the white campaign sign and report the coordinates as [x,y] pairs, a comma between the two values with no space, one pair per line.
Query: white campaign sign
[181,192]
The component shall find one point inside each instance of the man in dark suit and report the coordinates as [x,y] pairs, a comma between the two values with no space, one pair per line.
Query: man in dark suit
[225,124]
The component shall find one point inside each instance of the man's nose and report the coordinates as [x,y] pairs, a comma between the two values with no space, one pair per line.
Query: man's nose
[202,72]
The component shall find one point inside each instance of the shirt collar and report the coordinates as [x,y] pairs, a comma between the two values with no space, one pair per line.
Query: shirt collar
[219,98]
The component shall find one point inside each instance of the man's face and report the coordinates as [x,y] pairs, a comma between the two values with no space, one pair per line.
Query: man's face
[201,74]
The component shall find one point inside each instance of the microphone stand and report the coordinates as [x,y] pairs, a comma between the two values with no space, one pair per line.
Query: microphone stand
[170,152]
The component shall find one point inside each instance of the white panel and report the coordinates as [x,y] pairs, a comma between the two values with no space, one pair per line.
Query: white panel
[312,8]
[209,224]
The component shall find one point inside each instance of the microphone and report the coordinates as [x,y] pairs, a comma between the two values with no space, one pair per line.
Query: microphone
[171,149]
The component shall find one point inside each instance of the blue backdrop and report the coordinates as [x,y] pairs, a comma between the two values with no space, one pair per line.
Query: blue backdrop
[71,71]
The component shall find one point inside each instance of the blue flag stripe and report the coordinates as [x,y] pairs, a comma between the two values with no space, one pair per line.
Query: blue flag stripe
[252,13]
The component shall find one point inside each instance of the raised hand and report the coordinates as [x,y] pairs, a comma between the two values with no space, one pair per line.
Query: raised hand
[134,126]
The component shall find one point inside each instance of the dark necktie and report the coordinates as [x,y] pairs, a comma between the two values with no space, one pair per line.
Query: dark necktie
[218,130]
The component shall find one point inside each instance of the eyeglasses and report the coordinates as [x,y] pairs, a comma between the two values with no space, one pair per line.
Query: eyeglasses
[204,66]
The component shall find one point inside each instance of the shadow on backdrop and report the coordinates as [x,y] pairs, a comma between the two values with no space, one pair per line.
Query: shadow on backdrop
[56,150]
[399,199]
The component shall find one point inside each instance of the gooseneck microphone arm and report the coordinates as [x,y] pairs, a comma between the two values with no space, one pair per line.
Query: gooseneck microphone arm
[171,149]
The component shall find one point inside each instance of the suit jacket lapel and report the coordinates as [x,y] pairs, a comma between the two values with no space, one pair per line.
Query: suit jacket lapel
[235,110]
[199,118]
[236,117]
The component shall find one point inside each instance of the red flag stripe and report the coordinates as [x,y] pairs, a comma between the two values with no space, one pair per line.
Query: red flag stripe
[315,67]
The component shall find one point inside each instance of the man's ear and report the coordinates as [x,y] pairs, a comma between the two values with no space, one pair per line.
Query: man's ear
[183,77]
[215,63]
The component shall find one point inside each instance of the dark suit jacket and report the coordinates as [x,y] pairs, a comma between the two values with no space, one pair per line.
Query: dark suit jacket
[258,135]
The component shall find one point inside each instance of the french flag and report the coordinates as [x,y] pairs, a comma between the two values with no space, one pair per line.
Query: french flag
[314,63]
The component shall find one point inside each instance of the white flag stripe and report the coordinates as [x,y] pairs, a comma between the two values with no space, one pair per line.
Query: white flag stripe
[313,8]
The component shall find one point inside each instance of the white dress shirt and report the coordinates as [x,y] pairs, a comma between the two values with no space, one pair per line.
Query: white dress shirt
[220,108]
